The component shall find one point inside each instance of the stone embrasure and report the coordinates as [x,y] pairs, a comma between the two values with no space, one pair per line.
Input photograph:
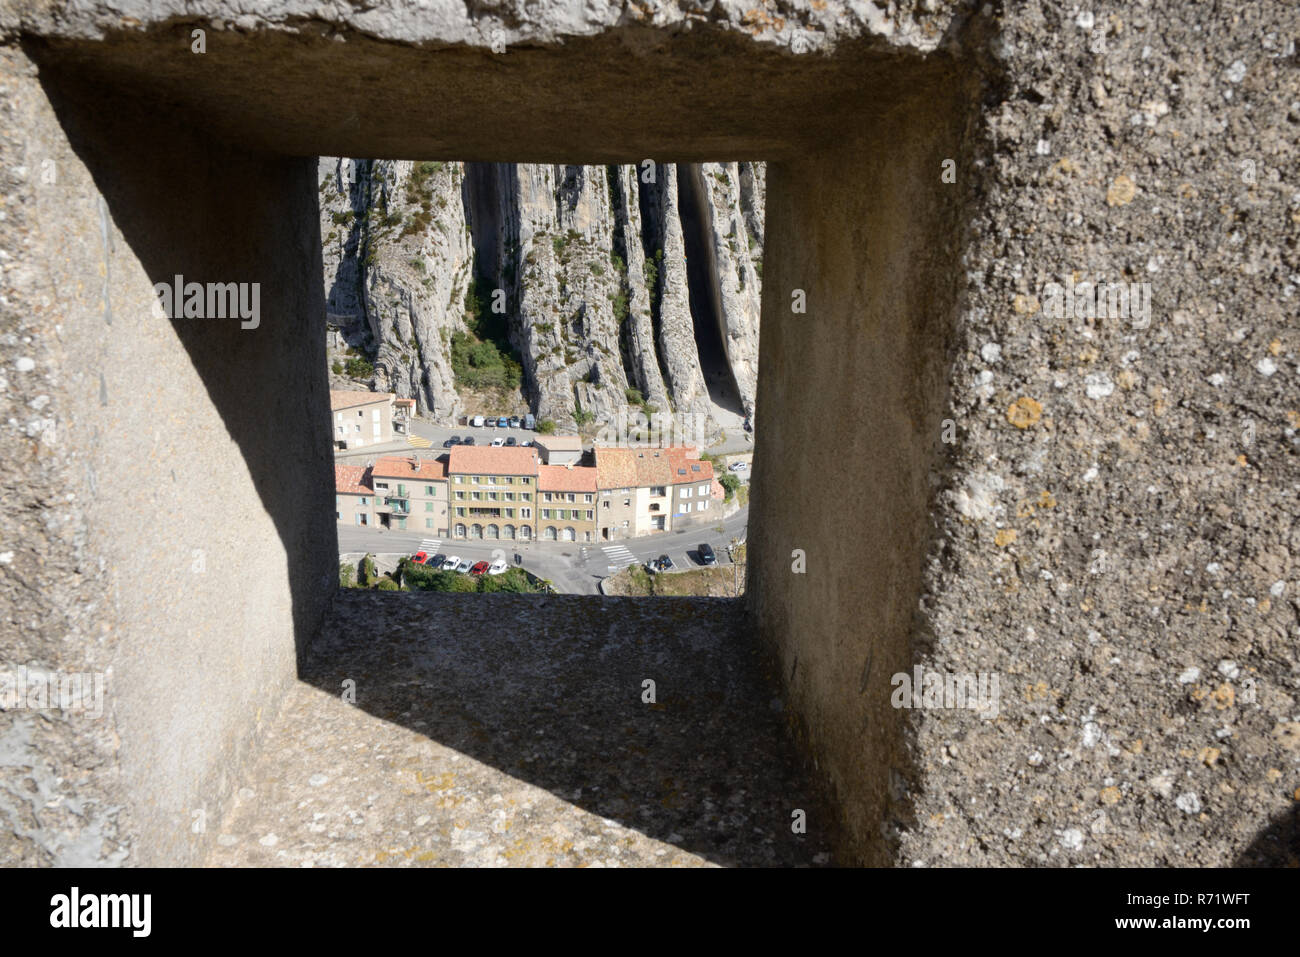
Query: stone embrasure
[512,731]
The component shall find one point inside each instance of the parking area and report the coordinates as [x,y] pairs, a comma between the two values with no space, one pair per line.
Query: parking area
[439,434]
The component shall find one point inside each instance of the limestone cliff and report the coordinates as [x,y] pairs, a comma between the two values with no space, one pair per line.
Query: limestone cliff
[609,279]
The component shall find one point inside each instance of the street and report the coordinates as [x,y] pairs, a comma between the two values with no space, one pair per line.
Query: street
[573,567]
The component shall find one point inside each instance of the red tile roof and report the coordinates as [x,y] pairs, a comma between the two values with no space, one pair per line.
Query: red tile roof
[560,478]
[410,467]
[352,480]
[639,467]
[486,460]
[686,467]
[615,468]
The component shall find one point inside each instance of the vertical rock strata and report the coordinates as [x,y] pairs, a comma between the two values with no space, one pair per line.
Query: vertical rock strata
[592,267]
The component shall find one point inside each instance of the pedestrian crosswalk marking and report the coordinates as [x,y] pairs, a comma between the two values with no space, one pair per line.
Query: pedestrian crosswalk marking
[618,556]
[419,441]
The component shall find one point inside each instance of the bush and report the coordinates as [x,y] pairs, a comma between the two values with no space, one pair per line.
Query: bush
[634,396]
[367,572]
[463,583]
[514,580]
[347,575]
[652,269]
[387,584]
[337,367]
[729,485]
[359,368]
[546,427]
[583,417]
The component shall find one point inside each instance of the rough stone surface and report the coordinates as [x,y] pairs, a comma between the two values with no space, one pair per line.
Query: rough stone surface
[519,734]
[1111,524]
[153,534]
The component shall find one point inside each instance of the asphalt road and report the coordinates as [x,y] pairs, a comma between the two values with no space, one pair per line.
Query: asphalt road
[573,567]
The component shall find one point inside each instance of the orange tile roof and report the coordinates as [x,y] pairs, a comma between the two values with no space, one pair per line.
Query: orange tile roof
[486,460]
[560,478]
[340,399]
[352,480]
[410,467]
[641,466]
[615,468]
[686,467]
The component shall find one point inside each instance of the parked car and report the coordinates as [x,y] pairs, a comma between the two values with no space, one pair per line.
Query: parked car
[497,443]
[510,440]
[737,467]
[435,561]
[467,440]
[706,555]
[449,563]
[478,568]
[530,421]
[419,557]
[514,421]
[498,567]
[454,440]
[503,422]
[477,421]
[526,444]
[464,566]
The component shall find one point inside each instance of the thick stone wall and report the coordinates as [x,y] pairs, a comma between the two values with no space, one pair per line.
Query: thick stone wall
[1099,510]
[164,481]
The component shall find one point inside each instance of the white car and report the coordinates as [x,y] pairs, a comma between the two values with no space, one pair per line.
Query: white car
[450,564]
[498,567]
[464,566]
[497,443]
[737,467]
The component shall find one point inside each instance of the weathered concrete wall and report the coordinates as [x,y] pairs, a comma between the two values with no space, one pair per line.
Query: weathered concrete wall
[1125,557]
[852,391]
[1112,529]
[165,481]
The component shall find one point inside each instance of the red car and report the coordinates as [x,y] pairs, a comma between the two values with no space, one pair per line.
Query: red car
[479,568]
[419,557]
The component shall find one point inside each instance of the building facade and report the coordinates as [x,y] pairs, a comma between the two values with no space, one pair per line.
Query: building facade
[566,503]
[696,493]
[361,418]
[493,492]
[411,494]
[559,449]
[354,496]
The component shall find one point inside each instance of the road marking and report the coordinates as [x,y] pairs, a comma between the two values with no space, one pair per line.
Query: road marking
[429,545]
[618,556]
[418,441]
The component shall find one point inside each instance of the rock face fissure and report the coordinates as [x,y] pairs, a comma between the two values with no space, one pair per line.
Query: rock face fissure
[699,235]
[613,278]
